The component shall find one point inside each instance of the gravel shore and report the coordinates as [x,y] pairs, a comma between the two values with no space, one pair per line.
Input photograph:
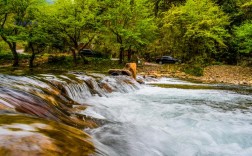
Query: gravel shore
[237,75]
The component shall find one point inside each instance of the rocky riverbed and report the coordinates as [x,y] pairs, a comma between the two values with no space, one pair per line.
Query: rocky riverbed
[237,75]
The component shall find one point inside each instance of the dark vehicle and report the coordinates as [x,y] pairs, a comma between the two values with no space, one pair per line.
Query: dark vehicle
[167,59]
[87,52]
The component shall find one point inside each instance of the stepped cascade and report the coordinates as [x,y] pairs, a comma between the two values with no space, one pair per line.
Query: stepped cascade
[93,114]
[42,114]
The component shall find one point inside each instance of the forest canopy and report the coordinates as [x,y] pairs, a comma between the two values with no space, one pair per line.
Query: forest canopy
[194,31]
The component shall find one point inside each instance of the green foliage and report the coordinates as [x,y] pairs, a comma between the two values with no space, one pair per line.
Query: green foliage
[244,37]
[16,16]
[129,23]
[3,46]
[164,5]
[5,56]
[198,32]
[195,29]
[247,10]
[238,11]
[72,22]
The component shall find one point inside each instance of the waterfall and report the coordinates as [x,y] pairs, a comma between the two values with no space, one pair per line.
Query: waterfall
[46,99]
[95,114]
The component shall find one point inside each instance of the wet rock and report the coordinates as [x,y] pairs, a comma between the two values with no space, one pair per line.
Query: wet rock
[41,105]
[106,87]
[42,97]
[116,72]
[23,136]
[141,81]
[155,75]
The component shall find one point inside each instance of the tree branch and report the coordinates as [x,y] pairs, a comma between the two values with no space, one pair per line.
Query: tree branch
[90,40]
[5,19]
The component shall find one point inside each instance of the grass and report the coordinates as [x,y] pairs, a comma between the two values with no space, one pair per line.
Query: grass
[193,70]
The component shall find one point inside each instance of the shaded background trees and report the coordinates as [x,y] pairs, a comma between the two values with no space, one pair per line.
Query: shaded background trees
[198,31]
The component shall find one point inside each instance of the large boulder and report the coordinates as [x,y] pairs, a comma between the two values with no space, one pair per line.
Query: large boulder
[132,68]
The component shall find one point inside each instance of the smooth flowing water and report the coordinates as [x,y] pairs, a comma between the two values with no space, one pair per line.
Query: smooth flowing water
[49,114]
[158,121]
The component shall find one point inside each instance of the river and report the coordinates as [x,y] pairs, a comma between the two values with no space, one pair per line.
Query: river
[164,117]
[172,121]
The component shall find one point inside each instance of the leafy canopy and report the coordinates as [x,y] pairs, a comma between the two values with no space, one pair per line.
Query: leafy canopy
[130,22]
[196,28]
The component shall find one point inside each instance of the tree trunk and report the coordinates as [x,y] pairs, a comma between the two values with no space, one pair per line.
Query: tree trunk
[31,65]
[74,55]
[12,46]
[121,55]
[15,55]
[129,54]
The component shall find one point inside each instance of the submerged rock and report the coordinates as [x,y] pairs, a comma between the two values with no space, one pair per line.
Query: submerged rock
[24,135]
[42,105]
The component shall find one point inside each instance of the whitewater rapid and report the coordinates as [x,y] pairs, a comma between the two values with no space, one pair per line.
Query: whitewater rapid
[163,117]
[155,121]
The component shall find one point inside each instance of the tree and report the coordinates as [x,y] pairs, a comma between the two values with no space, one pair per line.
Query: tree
[130,23]
[74,22]
[195,30]
[37,39]
[35,34]
[14,16]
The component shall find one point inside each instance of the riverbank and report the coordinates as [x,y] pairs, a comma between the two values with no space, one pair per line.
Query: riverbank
[237,75]
[59,64]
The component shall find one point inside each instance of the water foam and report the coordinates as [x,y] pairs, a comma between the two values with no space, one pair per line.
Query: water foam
[169,121]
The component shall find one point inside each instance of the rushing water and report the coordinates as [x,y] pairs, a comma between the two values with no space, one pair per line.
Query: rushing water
[34,112]
[155,121]
[164,117]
